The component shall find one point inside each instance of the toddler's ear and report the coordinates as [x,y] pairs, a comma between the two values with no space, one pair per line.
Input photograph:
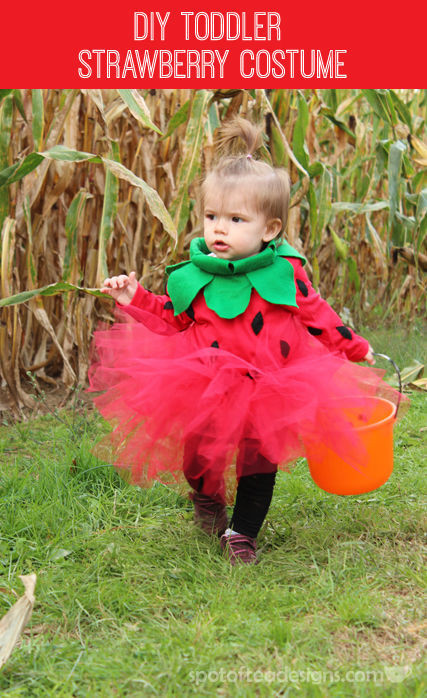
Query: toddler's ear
[272,229]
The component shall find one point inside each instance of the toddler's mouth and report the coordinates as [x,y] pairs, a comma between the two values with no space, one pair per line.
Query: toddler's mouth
[220,246]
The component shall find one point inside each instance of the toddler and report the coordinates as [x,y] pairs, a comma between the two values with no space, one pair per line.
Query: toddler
[222,378]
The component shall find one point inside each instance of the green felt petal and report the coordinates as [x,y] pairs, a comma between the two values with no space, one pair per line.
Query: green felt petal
[184,284]
[200,256]
[276,283]
[228,296]
[286,250]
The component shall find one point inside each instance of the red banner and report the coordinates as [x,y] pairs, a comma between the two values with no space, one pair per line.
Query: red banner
[213,44]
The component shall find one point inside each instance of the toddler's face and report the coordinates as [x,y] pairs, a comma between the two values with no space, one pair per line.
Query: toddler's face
[233,229]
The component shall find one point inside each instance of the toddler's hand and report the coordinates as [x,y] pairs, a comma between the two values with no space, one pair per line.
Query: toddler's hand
[121,288]
[370,356]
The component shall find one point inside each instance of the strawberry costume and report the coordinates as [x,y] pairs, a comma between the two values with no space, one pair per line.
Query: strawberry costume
[228,369]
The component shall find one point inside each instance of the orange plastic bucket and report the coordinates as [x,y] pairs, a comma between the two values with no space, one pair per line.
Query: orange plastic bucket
[332,474]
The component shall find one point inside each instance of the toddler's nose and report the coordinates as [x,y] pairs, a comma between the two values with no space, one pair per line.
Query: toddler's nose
[221,226]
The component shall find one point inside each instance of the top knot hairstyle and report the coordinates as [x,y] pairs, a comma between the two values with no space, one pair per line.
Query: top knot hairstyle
[266,187]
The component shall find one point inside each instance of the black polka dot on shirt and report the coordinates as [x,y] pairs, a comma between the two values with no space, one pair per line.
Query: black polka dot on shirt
[314,331]
[257,323]
[345,332]
[302,287]
[284,348]
[168,305]
[190,312]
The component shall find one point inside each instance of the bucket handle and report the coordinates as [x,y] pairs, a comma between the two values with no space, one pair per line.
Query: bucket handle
[396,368]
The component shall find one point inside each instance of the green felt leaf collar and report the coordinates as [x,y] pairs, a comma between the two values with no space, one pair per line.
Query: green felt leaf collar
[228,284]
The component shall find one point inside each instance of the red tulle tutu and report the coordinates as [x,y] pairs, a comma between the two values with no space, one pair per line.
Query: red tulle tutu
[181,412]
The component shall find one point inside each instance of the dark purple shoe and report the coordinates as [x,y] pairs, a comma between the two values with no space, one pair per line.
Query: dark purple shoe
[209,515]
[239,548]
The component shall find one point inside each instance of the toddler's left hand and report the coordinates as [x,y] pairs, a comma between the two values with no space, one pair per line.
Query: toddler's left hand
[370,356]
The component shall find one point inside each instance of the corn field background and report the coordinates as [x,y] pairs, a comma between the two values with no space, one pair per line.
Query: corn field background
[95,183]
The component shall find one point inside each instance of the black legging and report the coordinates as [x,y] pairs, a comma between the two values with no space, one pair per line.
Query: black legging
[256,477]
[254,493]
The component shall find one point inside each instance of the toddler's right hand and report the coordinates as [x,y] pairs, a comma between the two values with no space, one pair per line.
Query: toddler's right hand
[122,288]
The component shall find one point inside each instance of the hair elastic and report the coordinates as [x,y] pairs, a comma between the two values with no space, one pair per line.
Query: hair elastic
[249,156]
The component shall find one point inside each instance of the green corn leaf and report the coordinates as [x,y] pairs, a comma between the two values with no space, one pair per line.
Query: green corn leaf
[72,221]
[138,108]
[324,200]
[341,245]
[336,121]
[298,142]
[17,99]
[378,104]
[50,290]
[20,169]
[401,109]
[394,166]
[4,93]
[407,221]
[277,147]
[64,154]
[152,198]
[363,186]
[109,210]
[315,170]
[330,97]
[391,109]
[313,211]
[358,208]
[6,113]
[213,119]
[190,163]
[421,217]
[38,118]
[353,273]
[180,117]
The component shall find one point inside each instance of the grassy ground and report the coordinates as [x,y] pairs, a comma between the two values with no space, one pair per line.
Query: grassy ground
[133,601]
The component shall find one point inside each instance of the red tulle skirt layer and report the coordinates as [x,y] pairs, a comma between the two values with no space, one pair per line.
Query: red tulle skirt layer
[205,416]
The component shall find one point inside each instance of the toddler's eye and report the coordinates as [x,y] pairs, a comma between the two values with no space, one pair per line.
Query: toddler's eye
[236,219]
[210,216]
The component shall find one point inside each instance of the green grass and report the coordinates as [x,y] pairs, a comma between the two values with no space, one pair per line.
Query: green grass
[132,600]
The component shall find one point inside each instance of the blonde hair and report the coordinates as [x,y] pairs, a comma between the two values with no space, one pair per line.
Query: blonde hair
[268,186]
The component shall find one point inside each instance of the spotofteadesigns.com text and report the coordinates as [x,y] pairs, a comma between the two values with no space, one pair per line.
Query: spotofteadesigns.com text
[387,674]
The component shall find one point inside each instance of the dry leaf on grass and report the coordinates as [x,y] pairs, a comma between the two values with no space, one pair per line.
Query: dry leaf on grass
[17,617]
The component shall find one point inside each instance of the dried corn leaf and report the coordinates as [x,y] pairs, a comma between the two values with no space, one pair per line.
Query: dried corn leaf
[71,266]
[17,617]
[138,108]
[69,376]
[419,384]
[420,147]
[190,162]
[6,254]
[410,374]
[152,198]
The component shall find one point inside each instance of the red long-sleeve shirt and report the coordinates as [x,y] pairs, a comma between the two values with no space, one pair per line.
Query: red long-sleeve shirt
[263,326]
